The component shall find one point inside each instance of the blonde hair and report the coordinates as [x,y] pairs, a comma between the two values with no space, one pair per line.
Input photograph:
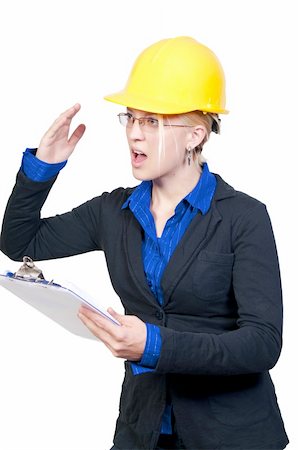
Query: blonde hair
[210,121]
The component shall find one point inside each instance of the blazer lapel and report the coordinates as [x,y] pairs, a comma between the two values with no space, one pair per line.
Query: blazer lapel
[198,233]
[133,251]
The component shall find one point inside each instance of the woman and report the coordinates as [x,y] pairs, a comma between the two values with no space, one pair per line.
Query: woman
[193,261]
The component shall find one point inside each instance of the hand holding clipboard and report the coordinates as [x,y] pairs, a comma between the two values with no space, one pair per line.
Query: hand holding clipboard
[58,302]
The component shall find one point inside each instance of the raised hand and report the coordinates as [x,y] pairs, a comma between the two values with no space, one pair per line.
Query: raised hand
[55,146]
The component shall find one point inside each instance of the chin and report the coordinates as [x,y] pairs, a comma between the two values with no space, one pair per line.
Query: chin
[141,175]
[147,175]
[142,178]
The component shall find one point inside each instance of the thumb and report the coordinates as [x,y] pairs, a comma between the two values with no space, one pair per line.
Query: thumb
[76,135]
[116,315]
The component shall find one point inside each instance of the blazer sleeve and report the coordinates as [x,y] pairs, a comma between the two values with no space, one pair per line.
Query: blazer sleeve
[255,345]
[24,232]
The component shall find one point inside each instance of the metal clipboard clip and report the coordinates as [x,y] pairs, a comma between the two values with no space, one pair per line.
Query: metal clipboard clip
[30,272]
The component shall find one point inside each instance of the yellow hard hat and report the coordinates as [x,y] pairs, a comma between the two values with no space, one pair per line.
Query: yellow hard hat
[175,76]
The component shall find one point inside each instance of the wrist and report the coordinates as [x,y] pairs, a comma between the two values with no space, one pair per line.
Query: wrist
[48,158]
[39,170]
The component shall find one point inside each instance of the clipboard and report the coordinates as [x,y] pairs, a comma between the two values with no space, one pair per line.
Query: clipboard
[56,301]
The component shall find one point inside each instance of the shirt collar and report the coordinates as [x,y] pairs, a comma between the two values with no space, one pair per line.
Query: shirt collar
[142,193]
[200,197]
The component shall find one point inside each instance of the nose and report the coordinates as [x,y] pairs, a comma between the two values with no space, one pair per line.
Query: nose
[135,132]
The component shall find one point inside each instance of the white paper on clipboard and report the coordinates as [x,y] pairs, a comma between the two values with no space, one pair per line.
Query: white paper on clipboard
[58,302]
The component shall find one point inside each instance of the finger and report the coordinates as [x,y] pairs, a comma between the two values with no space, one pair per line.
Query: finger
[100,321]
[64,119]
[57,127]
[100,334]
[116,315]
[76,135]
[92,326]
[72,111]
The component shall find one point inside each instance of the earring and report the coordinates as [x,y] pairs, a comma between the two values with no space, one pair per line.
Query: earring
[189,150]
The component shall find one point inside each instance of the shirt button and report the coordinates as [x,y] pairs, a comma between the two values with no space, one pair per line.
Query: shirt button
[159,315]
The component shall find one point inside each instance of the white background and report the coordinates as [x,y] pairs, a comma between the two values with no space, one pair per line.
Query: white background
[58,391]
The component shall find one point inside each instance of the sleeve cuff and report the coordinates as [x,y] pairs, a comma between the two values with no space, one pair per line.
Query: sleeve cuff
[153,346]
[38,170]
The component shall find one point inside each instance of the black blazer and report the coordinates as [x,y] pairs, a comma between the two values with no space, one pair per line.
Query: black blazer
[221,322]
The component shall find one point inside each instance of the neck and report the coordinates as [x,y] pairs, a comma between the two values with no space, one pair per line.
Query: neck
[168,191]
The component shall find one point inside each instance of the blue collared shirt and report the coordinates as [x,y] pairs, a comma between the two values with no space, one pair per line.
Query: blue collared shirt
[157,251]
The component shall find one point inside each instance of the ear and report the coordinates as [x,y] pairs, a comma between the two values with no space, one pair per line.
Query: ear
[196,136]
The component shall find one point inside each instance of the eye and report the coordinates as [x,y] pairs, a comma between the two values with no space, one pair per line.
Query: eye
[152,122]
[129,118]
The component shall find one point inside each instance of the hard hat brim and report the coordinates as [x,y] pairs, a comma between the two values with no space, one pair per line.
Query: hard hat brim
[158,106]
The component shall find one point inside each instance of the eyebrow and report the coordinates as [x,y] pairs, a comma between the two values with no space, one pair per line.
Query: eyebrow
[145,114]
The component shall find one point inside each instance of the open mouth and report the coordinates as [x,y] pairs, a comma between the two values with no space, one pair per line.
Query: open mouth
[138,156]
